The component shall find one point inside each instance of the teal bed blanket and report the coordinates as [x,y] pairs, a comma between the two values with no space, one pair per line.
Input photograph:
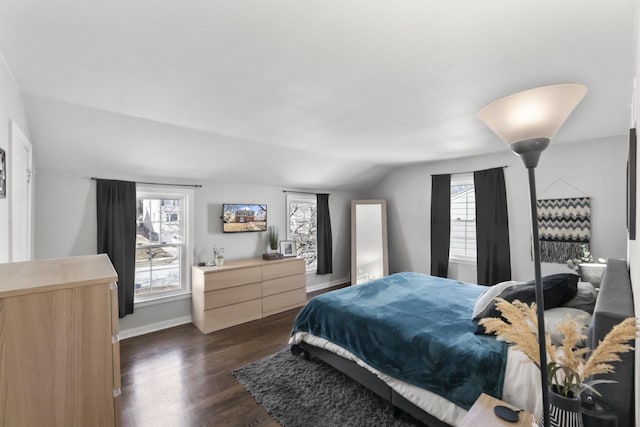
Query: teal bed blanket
[416,328]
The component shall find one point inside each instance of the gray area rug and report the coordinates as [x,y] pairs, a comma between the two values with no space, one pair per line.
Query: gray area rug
[297,392]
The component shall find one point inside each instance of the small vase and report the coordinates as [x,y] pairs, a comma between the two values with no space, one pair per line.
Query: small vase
[564,411]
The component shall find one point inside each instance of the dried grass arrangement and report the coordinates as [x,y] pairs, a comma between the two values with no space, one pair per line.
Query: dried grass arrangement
[568,366]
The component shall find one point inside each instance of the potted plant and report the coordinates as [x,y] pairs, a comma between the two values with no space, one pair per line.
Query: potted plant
[568,366]
[272,235]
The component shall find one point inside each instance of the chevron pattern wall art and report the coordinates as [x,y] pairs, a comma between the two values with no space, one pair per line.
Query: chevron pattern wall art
[564,226]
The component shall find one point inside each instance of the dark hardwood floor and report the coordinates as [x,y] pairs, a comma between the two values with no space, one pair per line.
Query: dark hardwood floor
[181,377]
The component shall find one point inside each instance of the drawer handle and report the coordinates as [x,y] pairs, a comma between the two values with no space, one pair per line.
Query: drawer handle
[115,338]
[117,392]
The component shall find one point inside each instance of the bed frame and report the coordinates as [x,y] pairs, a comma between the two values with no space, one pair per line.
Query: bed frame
[615,303]
[369,381]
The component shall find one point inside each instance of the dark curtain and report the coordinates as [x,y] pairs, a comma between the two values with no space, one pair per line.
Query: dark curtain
[116,203]
[440,224]
[492,227]
[325,240]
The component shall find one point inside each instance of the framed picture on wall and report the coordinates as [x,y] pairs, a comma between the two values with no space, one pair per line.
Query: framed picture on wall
[3,174]
[631,184]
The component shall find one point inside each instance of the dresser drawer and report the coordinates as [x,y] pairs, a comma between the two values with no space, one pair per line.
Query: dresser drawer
[234,295]
[116,407]
[283,269]
[116,361]
[284,284]
[231,315]
[113,301]
[273,304]
[230,278]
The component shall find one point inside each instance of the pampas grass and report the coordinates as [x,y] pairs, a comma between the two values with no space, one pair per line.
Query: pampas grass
[569,365]
[521,329]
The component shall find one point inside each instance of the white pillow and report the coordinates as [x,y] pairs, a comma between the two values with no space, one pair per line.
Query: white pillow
[554,316]
[487,296]
[585,299]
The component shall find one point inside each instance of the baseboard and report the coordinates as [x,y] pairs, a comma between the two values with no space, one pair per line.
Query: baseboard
[320,286]
[153,327]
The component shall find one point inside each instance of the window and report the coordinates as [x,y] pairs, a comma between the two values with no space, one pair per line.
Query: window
[302,227]
[163,242]
[463,218]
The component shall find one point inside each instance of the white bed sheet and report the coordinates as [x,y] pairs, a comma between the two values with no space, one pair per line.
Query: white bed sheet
[521,386]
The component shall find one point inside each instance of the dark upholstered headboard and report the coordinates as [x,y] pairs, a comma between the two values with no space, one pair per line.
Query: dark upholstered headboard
[614,304]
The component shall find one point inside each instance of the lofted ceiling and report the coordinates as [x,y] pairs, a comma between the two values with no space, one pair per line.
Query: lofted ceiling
[298,93]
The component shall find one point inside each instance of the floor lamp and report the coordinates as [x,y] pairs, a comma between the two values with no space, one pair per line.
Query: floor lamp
[527,121]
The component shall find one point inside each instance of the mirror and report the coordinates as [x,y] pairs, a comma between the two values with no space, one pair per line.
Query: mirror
[368,240]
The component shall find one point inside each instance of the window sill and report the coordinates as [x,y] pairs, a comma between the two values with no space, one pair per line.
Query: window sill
[162,299]
[463,261]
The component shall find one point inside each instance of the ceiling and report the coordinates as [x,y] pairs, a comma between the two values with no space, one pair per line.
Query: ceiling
[307,94]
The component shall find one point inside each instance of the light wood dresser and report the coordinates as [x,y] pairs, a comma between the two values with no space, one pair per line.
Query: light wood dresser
[59,349]
[243,290]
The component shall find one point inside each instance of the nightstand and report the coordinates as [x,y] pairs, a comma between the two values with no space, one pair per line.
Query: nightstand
[481,414]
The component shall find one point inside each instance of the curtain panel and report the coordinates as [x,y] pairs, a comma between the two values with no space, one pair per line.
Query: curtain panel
[440,224]
[116,204]
[492,227]
[325,240]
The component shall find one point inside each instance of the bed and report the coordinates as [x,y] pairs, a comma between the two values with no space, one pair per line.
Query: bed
[434,368]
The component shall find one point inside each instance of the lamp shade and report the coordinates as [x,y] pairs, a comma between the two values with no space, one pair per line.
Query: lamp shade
[533,113]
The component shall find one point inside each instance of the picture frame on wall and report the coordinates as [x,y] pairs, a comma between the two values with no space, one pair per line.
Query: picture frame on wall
[631,184]
[288,248]
[3,174]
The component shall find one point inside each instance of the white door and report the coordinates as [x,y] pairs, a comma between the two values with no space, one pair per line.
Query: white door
[20,193]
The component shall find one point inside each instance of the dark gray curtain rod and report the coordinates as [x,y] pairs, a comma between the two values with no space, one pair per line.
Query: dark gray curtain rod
[301,192]
[459,173]
[156,183]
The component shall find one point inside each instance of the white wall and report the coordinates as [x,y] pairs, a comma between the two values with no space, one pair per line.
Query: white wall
[594,168]
[208,225]
[65,225]
[65,215]
[11,108]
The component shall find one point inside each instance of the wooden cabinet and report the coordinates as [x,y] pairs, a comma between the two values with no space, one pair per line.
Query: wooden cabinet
[59,349]
[245,290]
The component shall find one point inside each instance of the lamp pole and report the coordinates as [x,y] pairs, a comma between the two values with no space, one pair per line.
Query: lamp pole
[539,297]
[529,151]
